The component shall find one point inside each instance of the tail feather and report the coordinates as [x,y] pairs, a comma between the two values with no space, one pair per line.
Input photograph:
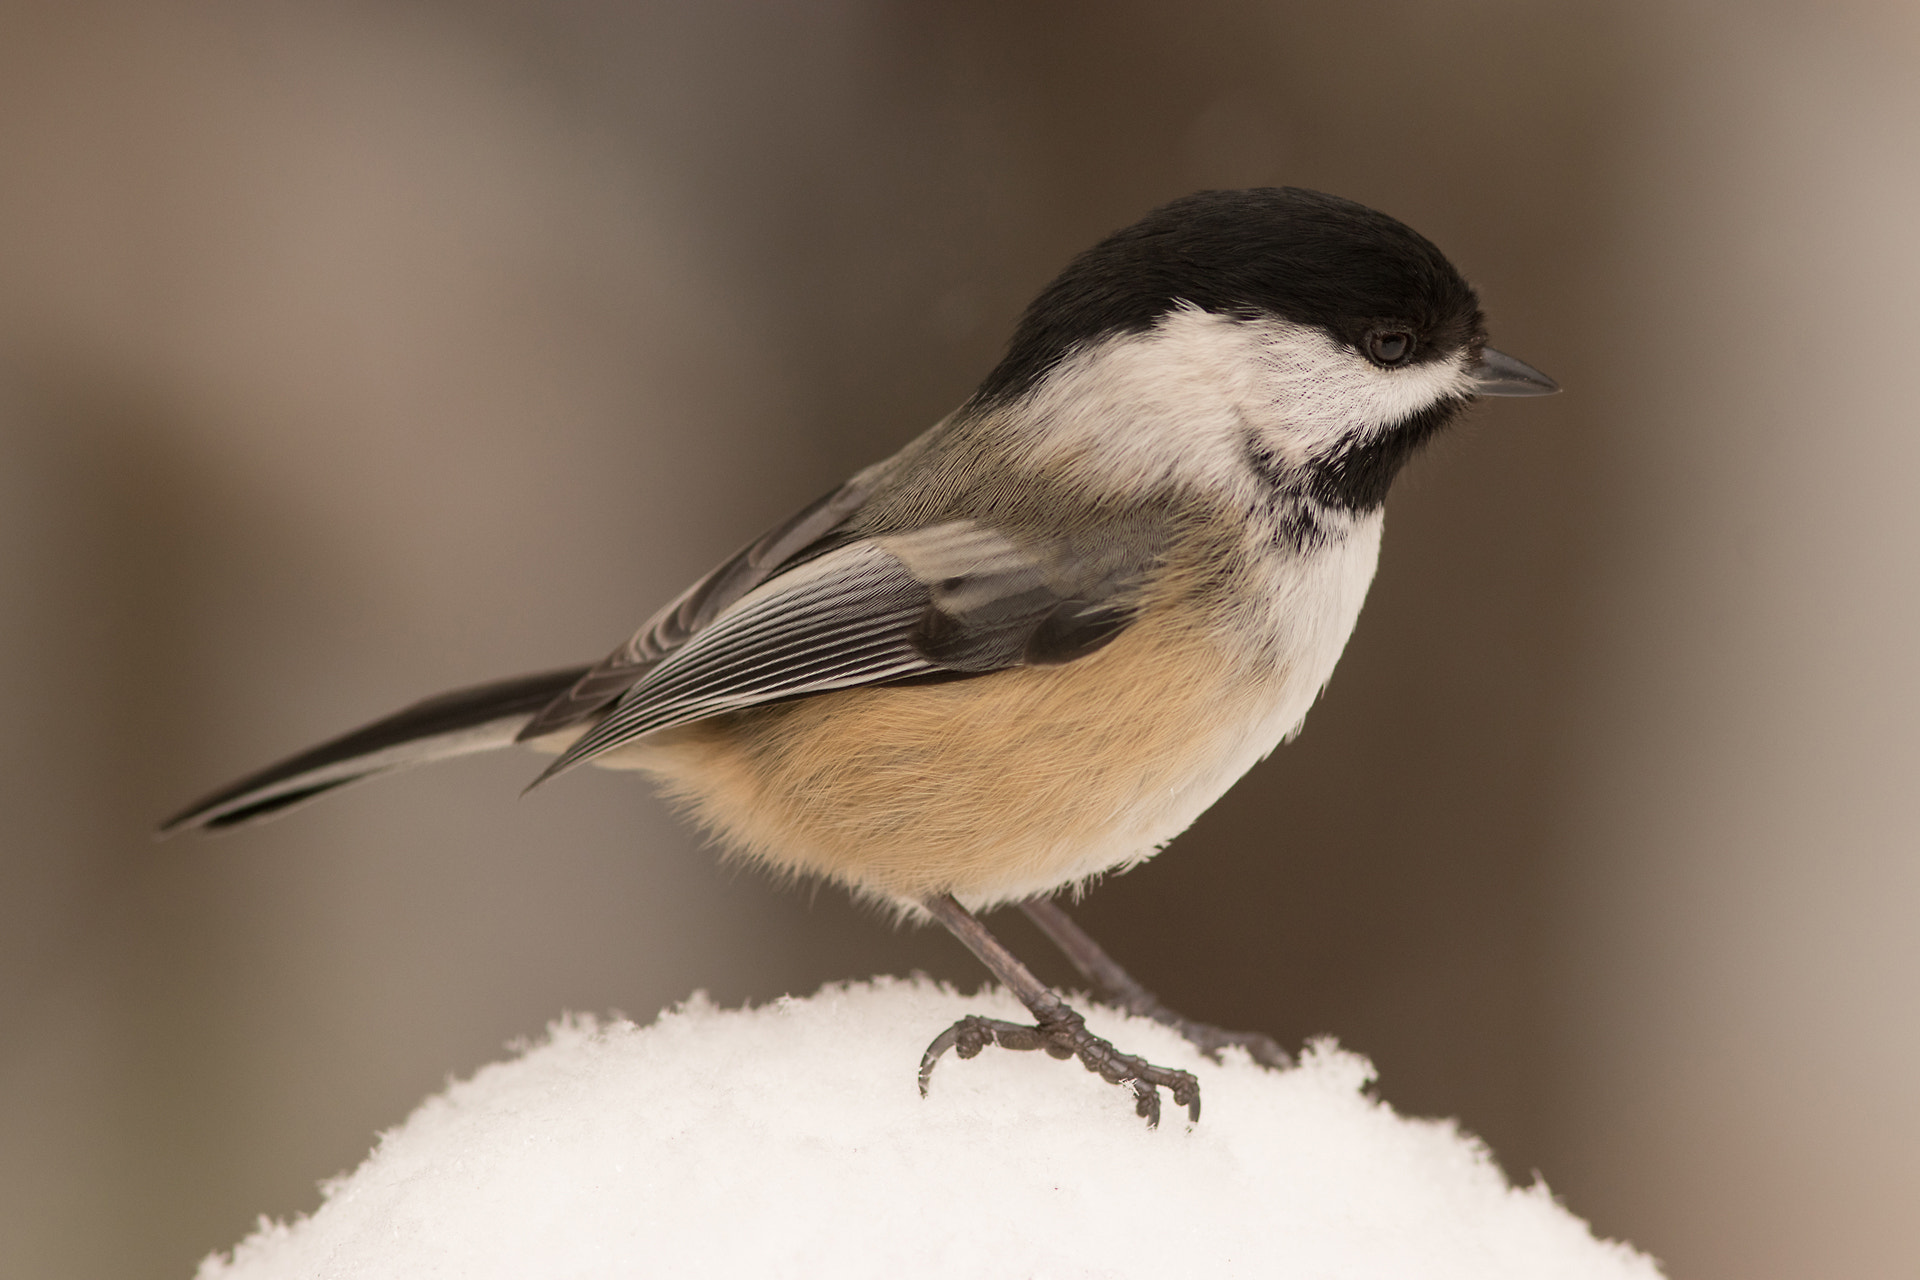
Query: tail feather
[479,718]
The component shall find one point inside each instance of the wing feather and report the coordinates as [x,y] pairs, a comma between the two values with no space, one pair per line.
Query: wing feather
[808,531]
[844,619]
[950,599]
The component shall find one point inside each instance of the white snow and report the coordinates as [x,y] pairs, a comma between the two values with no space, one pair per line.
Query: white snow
[791,1141]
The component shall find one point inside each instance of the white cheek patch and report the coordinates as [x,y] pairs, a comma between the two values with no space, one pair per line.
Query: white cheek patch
[1138,410]
[1177,401]
[1317,394]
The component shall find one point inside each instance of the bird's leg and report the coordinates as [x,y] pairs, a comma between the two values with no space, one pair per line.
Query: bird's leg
[1118,987]
[1058,1030]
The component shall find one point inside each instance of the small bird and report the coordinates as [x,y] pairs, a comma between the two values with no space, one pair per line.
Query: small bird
[1038,642]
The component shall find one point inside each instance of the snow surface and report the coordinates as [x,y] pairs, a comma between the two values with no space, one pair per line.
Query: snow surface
[791,1141]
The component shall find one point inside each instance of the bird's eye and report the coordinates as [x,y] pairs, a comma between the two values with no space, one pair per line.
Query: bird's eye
[1389,347]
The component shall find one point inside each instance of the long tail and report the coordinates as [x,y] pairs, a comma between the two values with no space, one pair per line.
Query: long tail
[454,724]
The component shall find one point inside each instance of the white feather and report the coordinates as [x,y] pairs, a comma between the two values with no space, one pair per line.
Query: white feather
[1175,403]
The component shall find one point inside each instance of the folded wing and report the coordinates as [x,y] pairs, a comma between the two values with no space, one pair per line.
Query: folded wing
[808,531]
[951,600]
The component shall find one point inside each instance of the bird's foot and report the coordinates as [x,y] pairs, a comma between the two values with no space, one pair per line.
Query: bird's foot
[1121,989]
[1067,1037]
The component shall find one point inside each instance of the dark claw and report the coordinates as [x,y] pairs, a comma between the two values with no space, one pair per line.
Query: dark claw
[1069,1038]
[970,1035]
[1146,1103]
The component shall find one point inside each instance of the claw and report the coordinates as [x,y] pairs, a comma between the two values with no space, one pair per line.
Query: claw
[1146,1102]
[1188,1095]
[973,1033]
[1069,1038]
[948,1039]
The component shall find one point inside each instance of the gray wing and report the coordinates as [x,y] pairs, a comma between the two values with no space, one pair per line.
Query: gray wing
[954,599]
[786,544]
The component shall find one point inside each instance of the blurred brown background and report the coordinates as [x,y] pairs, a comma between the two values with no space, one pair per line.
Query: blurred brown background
[353,351]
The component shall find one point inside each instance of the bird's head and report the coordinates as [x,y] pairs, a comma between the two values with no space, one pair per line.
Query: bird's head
[1310,337]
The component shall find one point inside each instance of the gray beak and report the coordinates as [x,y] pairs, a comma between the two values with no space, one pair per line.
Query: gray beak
[1499,374]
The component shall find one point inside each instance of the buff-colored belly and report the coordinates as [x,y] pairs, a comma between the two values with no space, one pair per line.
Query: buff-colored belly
[992,788]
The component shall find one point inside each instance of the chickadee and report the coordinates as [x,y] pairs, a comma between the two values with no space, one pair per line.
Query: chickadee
[1035,644]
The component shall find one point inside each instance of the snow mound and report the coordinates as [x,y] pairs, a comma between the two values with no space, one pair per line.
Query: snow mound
[791,1141]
